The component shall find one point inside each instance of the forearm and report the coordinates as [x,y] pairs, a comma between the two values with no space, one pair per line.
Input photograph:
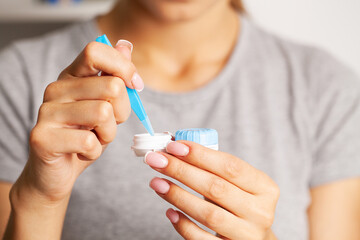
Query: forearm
[34,217]
[338,218]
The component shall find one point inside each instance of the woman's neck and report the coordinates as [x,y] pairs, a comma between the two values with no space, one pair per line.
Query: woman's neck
[175,49]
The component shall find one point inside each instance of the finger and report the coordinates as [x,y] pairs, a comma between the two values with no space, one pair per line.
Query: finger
[87,88]
[107,88]
[210,215]
[225,165]
[54,141]
[186,228]
[125,47]
[207,184]
[98,57]
[91,114]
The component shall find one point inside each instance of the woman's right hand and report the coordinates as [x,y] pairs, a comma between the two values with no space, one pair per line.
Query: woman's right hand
[78,119]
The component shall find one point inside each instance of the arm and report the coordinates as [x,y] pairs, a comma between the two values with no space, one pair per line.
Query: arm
[335,93]
[4,206]
[75,123]
[335,211]
[32,216]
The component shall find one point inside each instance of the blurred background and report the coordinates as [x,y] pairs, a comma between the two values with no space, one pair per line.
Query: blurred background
[329,24]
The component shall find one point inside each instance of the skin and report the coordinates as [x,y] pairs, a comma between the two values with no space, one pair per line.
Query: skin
[177,50]
[168,55]
[335,210]
[225,181]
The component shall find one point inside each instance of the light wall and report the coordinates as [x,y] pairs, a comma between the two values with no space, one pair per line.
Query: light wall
[331,24]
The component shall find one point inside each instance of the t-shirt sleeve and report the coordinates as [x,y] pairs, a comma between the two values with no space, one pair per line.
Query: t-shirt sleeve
[336,116]
[14,114]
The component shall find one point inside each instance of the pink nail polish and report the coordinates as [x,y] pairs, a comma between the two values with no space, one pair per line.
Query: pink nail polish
[155,160]
[177,149]
[172,215]
[125,43]
[137,82]
[159,185]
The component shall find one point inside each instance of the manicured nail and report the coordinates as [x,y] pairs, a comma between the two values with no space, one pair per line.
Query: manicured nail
[177,149]
[172,215]
[125,43]
[159,185]
[155,160]
[137,82]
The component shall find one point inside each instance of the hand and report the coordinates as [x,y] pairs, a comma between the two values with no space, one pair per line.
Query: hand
[78,119]
[242,199]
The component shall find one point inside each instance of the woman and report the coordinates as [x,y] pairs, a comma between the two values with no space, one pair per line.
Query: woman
[287,117]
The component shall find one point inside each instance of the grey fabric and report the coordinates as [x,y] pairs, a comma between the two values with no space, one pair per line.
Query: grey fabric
[291,111]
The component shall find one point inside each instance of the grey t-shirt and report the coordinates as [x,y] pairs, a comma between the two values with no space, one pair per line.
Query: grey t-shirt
[289,110]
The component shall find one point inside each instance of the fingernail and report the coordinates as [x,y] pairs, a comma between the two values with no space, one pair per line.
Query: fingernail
[137,82]
[172,215]
[159,185]
[177,149]
[155,160]
[126,43]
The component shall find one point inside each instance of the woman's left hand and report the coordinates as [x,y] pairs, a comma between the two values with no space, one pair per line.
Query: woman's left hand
[241,200]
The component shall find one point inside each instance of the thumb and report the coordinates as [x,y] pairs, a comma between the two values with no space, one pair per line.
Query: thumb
[125,47]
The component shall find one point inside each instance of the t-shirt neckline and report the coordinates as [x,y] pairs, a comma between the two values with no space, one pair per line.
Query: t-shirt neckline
[204,92]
